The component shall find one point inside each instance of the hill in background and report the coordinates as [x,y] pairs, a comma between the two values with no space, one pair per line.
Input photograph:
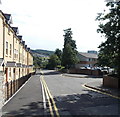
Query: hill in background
[42,53]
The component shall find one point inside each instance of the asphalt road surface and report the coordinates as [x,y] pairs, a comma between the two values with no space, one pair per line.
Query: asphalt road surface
[52,94]
[72,98]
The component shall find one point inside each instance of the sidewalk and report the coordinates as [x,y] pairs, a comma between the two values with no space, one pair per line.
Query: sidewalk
[80,75]
[28,101]
[97,85]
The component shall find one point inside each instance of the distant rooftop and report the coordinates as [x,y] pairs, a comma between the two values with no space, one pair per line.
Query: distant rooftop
[92,51]
[89,55]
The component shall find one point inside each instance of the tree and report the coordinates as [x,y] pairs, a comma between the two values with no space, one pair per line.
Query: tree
[69,57]
[53,61]
[109,27]
[37,61]
[58,52]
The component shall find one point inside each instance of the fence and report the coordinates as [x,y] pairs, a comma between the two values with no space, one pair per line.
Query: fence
[86,71]
[13,86]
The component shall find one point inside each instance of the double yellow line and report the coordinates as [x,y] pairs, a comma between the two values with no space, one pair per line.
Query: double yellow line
[52,106]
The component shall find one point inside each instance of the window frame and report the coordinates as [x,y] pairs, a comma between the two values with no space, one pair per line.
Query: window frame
[6,48]
[10,50]
[10,72]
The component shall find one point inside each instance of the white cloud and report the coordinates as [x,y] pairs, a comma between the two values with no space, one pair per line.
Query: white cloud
[41,22]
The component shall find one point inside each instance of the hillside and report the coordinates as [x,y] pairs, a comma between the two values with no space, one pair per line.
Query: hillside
[42,53]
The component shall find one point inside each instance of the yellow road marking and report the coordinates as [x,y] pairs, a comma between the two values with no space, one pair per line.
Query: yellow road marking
[95,90]
[54,105]
[49,96]
[50,106]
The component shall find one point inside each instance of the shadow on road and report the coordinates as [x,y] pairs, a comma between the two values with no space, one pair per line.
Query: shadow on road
[38,73]
[30,110]
[90,104]
[51,73]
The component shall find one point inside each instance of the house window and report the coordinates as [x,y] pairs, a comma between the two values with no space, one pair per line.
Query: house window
[15,53]
[6,48]
[10,49]
[9,30]
[90,59]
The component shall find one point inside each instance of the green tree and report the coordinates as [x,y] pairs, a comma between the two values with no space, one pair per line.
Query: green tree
[53,61]
[58,52]
[69,56]
[110,28]
[37,61]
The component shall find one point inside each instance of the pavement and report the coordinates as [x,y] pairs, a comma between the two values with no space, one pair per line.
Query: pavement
[28,101]
[97,85]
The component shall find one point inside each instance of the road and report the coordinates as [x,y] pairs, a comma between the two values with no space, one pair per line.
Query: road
[54,94]
[72,98]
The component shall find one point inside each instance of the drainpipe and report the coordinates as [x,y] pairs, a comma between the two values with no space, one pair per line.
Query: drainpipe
[3,44]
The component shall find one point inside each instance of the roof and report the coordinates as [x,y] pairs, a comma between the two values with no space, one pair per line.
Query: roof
[25,46]
[15,29]
[23,42]
[28,49]
[8,18]
[89,55]
[20,37]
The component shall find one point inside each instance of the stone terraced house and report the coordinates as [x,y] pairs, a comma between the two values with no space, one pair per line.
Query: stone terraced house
[16,60]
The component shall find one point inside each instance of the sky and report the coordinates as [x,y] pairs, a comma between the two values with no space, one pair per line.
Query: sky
[41,22]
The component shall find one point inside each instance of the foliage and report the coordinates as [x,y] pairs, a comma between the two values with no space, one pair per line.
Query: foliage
[69,57]
[58,52]
[53,61]
[39,62]
[109,27]
[60,67]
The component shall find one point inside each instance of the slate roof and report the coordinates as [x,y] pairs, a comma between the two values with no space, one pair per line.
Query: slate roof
[25,46]
[28,49]
[89,55]
[8,18]
[20,37]
[15,29]
[23,42]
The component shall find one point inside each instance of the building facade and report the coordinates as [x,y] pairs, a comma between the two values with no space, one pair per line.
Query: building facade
[16,60]
[87,60]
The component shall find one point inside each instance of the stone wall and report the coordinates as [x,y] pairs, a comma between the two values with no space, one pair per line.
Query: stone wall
[111,82]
